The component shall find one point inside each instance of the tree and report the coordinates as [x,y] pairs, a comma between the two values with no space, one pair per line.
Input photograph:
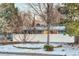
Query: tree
[72,28]
[47,13]
[26,20]
[10,14]
[3,25]
[72,16]
[43,10]
[4,18]
[9,18]
[71,11]
[72,20]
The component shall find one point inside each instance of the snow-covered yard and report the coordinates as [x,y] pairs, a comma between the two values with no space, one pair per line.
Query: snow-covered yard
[65,50]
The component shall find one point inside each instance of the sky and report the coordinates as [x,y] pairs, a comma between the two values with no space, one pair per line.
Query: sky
[21,6]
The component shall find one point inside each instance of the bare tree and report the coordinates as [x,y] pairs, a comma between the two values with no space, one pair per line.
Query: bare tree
[44,11]
[27,23]
[47,13]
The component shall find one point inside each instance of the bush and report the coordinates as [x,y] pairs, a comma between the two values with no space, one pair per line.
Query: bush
[48,47]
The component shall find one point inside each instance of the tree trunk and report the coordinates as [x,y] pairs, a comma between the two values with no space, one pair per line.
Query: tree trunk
[77,39]
[48,23]
[5,37]
[48,33]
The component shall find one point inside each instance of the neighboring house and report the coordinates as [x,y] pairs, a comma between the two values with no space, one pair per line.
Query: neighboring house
[40,29]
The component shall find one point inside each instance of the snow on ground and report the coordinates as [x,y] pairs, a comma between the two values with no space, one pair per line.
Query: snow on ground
[65,50]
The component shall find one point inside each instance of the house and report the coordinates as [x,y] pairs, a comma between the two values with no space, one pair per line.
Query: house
[40,29]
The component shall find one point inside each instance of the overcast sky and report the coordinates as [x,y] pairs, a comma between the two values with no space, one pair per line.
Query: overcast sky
[21,6]
[24,7]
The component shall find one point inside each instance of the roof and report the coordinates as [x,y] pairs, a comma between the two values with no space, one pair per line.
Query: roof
[45,28]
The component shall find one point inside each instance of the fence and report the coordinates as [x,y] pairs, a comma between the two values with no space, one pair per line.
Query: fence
[43,38]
